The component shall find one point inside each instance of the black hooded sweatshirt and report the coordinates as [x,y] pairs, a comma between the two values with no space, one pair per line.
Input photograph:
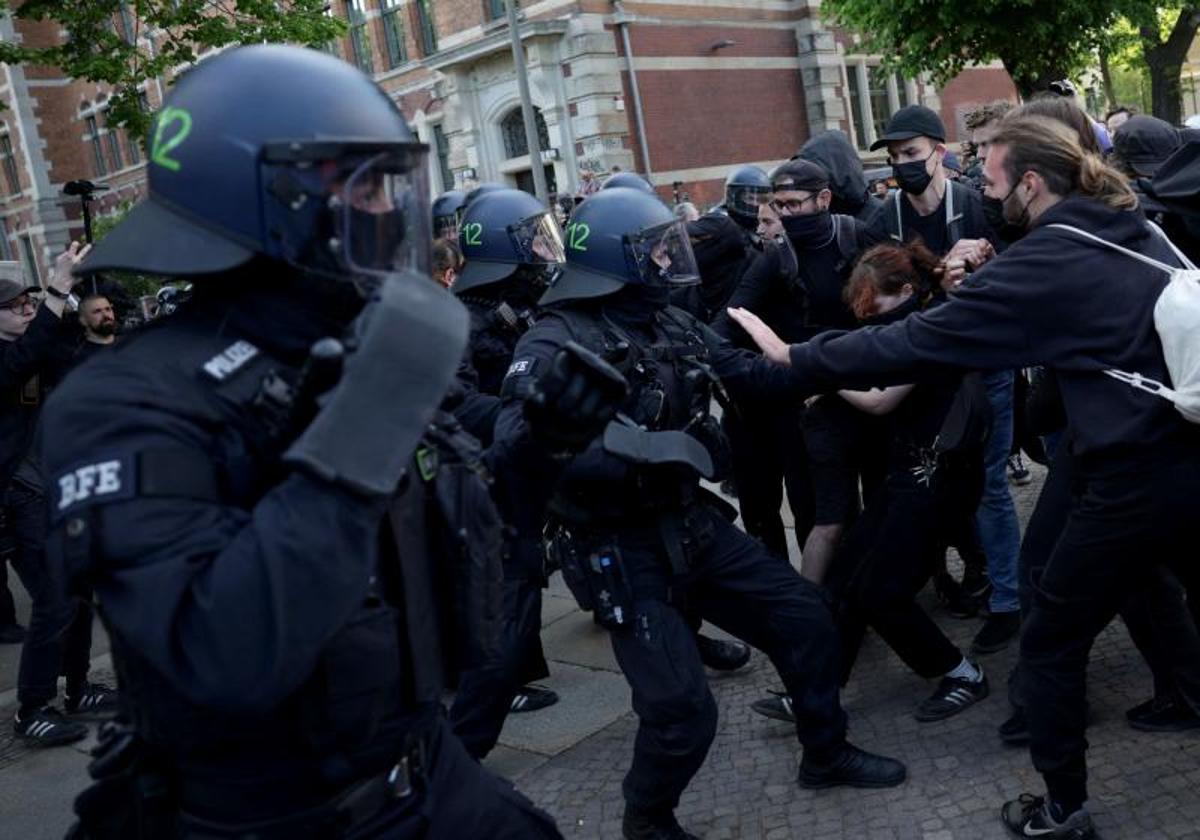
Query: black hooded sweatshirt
[833,151]
[1052,298]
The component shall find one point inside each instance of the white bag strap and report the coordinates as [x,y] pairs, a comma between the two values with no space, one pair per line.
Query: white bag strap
[1182,257]
[1144,383]
[1169,269]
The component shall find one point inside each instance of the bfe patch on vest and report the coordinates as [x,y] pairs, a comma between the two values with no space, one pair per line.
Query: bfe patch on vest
[98,482]
[522,367]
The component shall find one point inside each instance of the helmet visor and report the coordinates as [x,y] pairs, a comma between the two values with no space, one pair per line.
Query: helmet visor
[385,215]
[538,239]
[746,199]
[662,255]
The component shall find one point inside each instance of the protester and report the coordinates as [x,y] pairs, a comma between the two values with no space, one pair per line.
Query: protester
[1138,459]
[38,345]
[447,262]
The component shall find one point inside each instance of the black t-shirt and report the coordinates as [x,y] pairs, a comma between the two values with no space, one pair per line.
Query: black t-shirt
[967,221]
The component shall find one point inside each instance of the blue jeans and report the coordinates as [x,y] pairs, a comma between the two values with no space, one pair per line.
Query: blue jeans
[999,530]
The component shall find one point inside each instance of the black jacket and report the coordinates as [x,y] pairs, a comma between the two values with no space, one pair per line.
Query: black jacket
[29,367]
[1052,298]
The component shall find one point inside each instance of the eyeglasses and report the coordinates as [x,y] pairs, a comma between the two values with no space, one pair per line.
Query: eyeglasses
[791,205]
[20,304]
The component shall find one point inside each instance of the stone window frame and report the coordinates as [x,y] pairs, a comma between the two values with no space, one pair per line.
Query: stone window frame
[856,79]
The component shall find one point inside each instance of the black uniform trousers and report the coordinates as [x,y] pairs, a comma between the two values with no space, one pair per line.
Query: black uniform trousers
[769,456]
[59,637]
[741,588]
[1127,515]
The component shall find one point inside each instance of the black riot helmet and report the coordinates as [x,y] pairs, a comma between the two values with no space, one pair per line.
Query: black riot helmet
[280,152]
[746,187]
[501,231]
[623,237]
[446,213]
[628,180]
[478,192]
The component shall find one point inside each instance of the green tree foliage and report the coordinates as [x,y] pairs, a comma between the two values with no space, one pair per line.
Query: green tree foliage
[125,43]
[1036,41]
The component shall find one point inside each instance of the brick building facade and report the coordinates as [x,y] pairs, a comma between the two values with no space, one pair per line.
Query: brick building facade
[721,82]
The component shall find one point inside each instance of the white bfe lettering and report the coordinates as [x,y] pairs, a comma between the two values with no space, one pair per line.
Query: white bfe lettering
[94,479]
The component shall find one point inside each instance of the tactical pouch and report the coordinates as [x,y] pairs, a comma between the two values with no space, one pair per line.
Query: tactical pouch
[597,578]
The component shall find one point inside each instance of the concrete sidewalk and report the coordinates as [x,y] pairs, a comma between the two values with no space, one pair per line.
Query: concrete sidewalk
[571,757]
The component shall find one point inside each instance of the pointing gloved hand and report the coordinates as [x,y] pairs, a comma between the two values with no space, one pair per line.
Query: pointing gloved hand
[574,399]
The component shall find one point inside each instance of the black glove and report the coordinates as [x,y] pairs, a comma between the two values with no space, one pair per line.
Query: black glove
[574,399]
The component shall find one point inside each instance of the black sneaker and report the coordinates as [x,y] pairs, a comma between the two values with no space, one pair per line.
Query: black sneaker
[998,630]
[1029,816]
[952,696]
[530,698]
[92,699]
[1015,730]
[851,767]
[11,634]
[722,654]
[641,825]
[1018,474]
[1163,714]
[778,707]
[47,727]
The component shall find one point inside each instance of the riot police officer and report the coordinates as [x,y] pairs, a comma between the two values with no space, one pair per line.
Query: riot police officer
[446,212]
[639,540]
[628,180]
[512,245]
[271,596]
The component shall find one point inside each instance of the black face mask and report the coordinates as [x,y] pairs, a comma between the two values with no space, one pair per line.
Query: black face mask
[993,211]
[913,177]
[811,231]
[913,304]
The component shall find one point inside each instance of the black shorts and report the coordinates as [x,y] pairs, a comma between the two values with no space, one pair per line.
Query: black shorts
[832,430]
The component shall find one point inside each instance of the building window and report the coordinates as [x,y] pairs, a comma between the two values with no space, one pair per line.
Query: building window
[6,249]
[495,9]
[10,165]
[877,93]
[442,147]
[128,24]
[97,146]
[512,129]
[114,148]
[874,96]
[135,149]
[30,259]
[425,27]
[360,40]
[393,32]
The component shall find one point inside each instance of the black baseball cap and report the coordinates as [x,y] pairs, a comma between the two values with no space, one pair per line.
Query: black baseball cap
[1145,143]
[800,174]
[13,282]
[909,122]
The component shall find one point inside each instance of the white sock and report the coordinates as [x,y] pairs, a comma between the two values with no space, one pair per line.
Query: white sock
[966,671]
